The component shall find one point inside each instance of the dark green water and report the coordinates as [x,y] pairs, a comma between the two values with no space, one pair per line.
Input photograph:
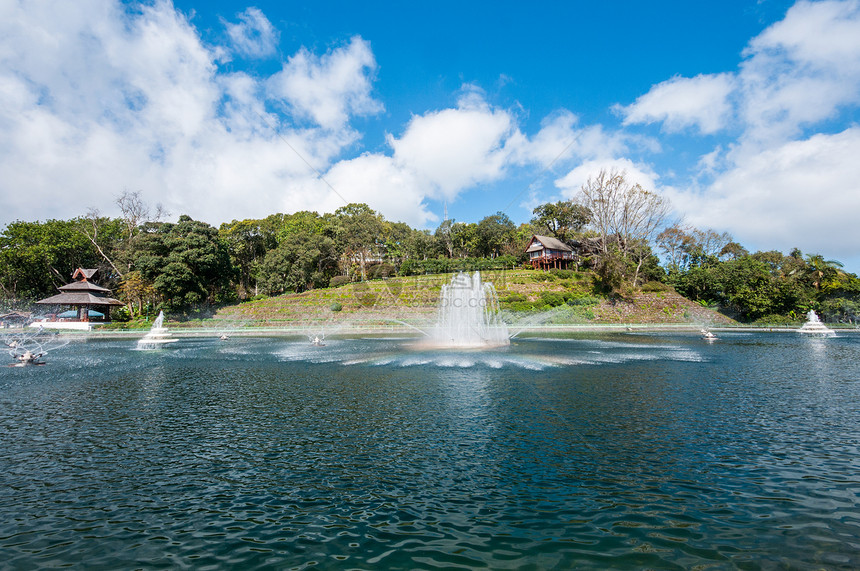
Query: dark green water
[621,452]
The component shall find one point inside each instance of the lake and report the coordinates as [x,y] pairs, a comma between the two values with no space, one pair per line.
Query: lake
[622,451]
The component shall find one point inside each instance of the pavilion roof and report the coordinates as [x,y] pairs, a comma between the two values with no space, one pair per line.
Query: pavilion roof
[79,298]
[83,286]
[85,273]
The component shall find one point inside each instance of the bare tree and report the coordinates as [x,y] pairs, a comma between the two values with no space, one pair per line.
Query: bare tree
[91,231]
[136,212]
[625,215]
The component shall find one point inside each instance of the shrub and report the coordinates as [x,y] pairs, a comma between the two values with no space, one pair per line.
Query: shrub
[336,306]
[583,300]
[514,297]
[337,281]
[651,287]
[552,298]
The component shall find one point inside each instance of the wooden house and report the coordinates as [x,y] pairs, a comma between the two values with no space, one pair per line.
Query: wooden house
[546,252]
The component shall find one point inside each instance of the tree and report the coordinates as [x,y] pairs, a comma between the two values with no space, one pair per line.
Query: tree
[444,237]
[494,233]
[625,216]
[676,243]
[820,271]
[561,218]
[186,263]
[247,242]
[733,251]
[38,257]
[358,228]
[304,260]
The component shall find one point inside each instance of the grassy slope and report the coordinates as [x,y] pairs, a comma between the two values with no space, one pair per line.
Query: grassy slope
[413,300]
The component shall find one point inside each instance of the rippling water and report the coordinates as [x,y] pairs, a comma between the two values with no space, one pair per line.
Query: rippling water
[618,451]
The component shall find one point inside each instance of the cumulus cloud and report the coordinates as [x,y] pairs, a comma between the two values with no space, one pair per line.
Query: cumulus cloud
[253,36]
[95,99]
[328,89]
[781,182]
[794,194]
[681,102]
[801,70]
[455,148]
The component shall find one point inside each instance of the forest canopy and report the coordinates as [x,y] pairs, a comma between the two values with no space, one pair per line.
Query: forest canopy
[619,231]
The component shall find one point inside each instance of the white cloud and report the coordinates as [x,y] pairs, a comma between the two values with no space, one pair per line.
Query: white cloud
[453,149]
[801,70]
[329,88]
[681,102]
[560,140]
[802,193]
[253,35]
[95,99]
[378,180]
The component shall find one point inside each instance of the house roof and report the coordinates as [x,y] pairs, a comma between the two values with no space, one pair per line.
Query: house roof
[548,243]
[79,298]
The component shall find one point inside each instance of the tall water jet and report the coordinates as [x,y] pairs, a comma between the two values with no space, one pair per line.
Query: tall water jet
[468,315]
[158,336]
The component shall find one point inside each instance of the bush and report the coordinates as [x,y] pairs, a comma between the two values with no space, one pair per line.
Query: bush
[653,287]
[514,297]
[525,305]
[338,281]
[774,319]
[120,314]
[336,306]
[552,298]
[583,300]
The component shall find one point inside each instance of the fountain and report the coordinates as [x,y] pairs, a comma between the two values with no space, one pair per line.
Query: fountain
[814,327]
[158,336]
[28,347]
[468,315]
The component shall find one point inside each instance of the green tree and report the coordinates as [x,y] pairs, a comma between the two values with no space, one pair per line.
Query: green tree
[247,242]
[821,272]
[494,234]
[38,257]
[358,231]
[303,260]
[186,263]
[561,219]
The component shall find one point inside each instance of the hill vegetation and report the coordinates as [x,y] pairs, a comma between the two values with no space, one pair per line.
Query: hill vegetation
[286,267]
[525,296]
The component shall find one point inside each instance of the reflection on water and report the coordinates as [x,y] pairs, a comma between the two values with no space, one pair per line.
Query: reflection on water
[619,451]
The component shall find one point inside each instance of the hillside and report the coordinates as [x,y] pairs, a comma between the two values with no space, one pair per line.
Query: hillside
[541,297]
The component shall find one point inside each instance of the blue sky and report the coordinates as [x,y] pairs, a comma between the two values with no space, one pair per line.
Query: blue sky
[742,114]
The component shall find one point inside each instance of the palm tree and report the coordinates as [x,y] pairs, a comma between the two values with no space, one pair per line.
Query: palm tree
[821,270]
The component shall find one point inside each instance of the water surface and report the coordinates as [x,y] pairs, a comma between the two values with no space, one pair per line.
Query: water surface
[622,451]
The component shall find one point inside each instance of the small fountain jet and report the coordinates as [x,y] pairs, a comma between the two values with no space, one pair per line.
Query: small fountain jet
[813,326]
[158,336]
[27,348]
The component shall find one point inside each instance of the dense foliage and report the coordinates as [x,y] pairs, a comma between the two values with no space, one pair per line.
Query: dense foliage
[188,266]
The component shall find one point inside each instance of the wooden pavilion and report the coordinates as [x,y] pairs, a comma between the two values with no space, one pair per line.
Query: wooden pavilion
[546,252]
[84,296]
